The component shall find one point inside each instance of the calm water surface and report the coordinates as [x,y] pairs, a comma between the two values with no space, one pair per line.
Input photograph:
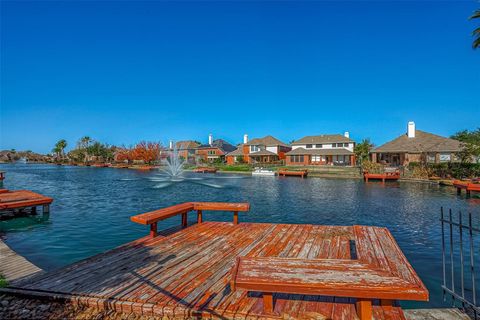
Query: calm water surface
[92,207]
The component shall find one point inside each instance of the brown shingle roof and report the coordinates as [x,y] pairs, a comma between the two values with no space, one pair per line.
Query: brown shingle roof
[323,138]
[423,142]
[188,144]
[237,152]
[267,141]
[220,144]
[320,152]
[263,153]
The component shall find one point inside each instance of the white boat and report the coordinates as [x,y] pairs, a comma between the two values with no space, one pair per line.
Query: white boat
[262,172]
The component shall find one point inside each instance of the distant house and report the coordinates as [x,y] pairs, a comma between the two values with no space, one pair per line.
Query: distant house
[416,146]
[260,150]
[214,150]
[187,149]
[329,149]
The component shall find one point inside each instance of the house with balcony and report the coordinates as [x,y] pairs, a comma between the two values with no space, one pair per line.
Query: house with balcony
[325,149]
[259,150]
[214,150]
[416,146]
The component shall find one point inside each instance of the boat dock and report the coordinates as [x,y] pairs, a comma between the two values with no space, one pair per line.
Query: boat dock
[189,271]
[205,170]
[14,266]
[291,173]
[467,186]
[393,176]
[23,199]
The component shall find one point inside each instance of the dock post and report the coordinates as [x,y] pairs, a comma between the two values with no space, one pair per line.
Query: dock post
[468,193]
[153,230]
[268,302]
[199,216]
[364,309]
[46,208]
[184,219]
[459,191]
[34,210]
[235,217]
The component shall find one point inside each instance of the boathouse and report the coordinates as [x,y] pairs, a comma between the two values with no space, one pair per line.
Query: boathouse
[416,146]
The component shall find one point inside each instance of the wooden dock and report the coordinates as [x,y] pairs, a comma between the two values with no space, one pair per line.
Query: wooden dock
[23,199]
[393,176]
[291,173]
[205,170]
[15,267]
[468,186]
[185,272]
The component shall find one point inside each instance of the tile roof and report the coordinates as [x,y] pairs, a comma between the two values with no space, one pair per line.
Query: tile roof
[423,142]
[323,138]
[267,141]
[263,153]
[320,152]
[187,144]
[237,152]
[220,144]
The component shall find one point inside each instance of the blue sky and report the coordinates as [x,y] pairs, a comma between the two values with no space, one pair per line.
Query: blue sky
[125,71]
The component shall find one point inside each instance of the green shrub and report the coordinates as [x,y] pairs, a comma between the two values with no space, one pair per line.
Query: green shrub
[3,281]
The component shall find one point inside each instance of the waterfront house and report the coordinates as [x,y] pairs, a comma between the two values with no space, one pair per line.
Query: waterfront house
[214,150]
[325,149]
[416,146]
[187,149]
[259,150]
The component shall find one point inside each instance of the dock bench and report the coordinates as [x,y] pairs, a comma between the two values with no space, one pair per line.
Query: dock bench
[380,272]
[153,217]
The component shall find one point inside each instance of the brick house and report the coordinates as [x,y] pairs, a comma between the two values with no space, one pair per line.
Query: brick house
[214,150]
[259,150]
[330,149]
[416,146]
[187,149]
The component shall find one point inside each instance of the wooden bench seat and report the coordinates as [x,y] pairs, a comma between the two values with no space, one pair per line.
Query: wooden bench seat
[380,272]
[153,217]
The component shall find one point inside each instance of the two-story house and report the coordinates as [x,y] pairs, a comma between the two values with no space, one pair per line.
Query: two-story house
[259,150]
[214,150]
[325,149]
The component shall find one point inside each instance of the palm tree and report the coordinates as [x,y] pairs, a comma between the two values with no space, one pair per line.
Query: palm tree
[83,144]
[476,32]
[60,148]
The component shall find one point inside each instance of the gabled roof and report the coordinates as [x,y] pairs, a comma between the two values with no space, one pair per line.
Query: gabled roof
[423,142]
[323,138]
[220,144]
[319,152]
[236,152]
[266,141]
[187,144]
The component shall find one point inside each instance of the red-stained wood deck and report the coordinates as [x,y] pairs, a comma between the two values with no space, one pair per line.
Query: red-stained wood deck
[467,186]
[205,170]
[186,272]
[285,173]
[19,199]
[381,176]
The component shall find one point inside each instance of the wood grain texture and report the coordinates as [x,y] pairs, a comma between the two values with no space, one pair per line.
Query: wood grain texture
[186,273]
[22,199]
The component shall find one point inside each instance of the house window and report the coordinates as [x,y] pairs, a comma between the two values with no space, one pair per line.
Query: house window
[254,148]
[309,146]
[296,158]
[431,157]
[211,152]
[334,145]
[445,157]
[345,145]
[319,146]
[318,158]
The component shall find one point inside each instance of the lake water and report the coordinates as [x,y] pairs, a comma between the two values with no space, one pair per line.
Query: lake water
[92,208]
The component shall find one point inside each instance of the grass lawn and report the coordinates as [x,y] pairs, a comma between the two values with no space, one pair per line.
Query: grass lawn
[3,281]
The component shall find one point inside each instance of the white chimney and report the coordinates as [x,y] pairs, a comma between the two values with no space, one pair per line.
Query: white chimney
[347,134]
[210,139]
[245,138]
[171,144]
[411,129]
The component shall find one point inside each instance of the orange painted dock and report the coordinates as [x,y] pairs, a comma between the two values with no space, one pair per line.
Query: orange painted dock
[292,173]
[205,170]
[394,175]
[186,272]
[468,186]
[22,199]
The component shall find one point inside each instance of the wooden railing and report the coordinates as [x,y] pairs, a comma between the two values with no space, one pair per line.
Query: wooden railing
[153,217]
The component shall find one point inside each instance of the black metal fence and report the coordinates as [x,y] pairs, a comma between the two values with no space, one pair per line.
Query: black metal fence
[460,240]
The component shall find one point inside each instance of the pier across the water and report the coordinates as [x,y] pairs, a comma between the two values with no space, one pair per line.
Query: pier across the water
[393,175]
[20,200]
[467,186]
[187,271]
[291,173]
